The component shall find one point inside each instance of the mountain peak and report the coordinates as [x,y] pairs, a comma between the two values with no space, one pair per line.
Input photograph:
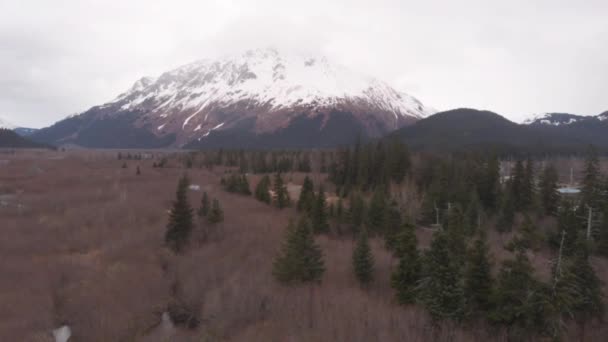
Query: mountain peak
[6,125]
[255,93]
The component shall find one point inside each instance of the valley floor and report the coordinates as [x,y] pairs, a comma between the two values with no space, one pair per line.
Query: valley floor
[82,245]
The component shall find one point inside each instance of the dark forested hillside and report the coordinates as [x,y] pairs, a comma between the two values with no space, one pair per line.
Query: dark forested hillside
[472,129]
[10,139]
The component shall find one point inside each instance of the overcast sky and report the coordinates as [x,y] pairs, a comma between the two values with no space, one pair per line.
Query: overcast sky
[514,57]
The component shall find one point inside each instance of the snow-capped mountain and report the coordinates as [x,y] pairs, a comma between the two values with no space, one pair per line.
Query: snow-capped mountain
[6,125]
[262,94]
[553,119]
[563,119]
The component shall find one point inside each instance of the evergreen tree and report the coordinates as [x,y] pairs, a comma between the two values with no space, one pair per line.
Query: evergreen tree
[204,209]
[591,189]
[392,225]
[473,214]
[281,195]
[548,190]
[568,222]
[262,190]
[244,186]
[216,214]
[478,283]
[320,222]
[377,211]
[602,241]
[589,297]
[363,260]
[442,292]
[516,296]
[356,212]
[307,196]
[300,259]
[517,185]
[489,184]
[507,213]
[528,187]
[455,231]
[180,223]
[340,210]
[405,278]
[527,237]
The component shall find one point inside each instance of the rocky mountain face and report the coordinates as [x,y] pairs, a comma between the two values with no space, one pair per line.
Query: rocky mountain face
[260,98]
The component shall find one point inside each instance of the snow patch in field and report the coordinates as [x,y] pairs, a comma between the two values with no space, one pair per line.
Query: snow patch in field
[62,334]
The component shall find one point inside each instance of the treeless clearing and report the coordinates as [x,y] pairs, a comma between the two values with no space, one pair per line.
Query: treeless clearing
[82,245]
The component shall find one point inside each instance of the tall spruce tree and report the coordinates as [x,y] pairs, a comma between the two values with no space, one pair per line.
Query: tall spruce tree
[478,281]
[442,291]
[281,195]
[517,184]
[506,216]
[549,196]
[356,212]
[180,223]
[377,211]
[307,196]
[589,297]
[300,259]
[516,297]
[405,278]
[319,217]
[528,187]
[602,241]
[392,225]
[489,184]
[591,189]
[203,211]
[216,214]
[262,190]
[568,222]
[363,260]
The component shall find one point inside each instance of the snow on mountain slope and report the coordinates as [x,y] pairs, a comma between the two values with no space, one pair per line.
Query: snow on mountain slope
[267,77]
[256,93]
[553,119]
[6,125]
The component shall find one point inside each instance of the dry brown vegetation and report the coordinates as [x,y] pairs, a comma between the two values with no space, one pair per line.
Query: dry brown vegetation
[82,244]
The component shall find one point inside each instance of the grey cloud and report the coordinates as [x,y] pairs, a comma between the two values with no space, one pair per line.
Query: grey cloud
[516,57]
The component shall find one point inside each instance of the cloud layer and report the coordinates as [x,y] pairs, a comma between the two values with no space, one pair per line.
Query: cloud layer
[516,58]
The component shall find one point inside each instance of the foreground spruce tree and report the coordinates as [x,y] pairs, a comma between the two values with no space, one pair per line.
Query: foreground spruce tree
[356,212]
[363,260]
[589,297]
[203,211]
[319,217]
[376,217]
[478,282]
[392,226]
[516,297]
[180,223]
[307,196]
[281,196]
[405,278]
[262,190]
[300,259]
[216,214]
[441,285]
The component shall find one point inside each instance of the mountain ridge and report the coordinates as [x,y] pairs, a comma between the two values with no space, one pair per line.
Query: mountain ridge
[190,104]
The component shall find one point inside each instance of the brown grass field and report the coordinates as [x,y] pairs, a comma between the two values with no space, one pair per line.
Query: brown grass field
[82,244]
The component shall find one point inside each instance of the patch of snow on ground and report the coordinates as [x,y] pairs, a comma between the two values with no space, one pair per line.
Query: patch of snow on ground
[62,334]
